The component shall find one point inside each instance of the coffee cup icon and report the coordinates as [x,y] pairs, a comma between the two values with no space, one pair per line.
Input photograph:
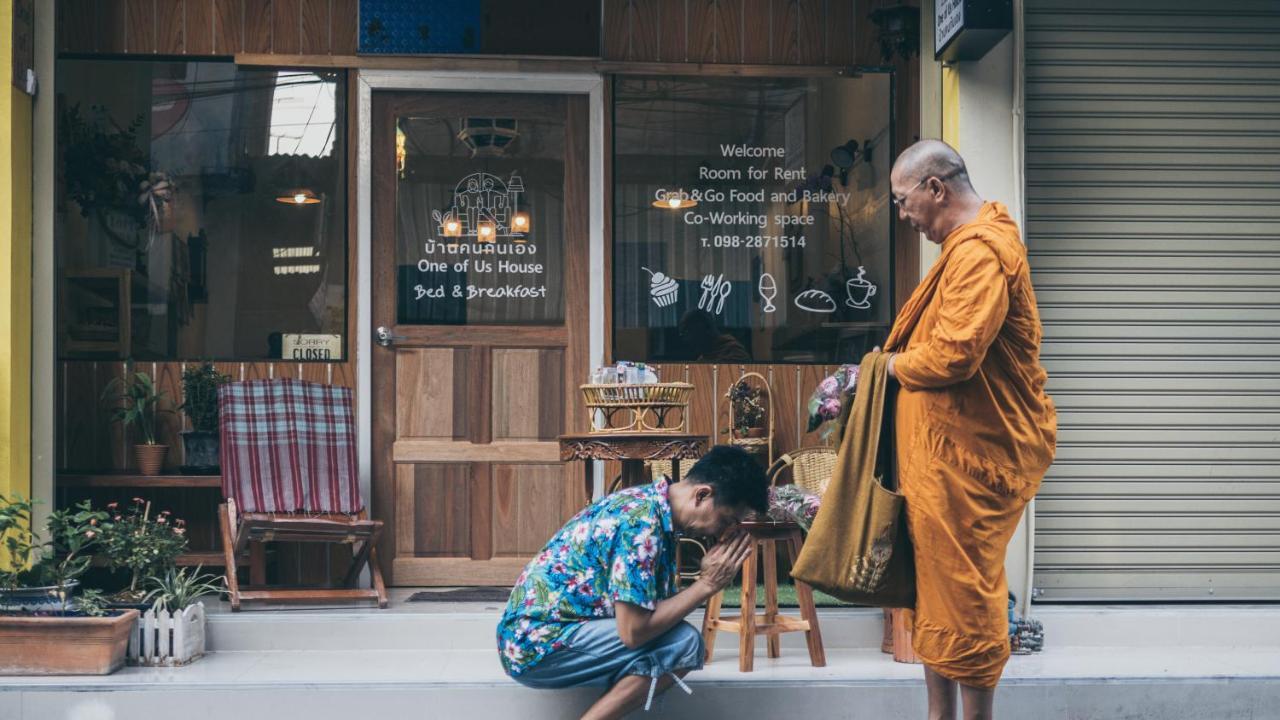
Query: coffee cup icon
[860,291]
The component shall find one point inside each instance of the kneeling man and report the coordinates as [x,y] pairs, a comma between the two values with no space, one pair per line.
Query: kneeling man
[599,605]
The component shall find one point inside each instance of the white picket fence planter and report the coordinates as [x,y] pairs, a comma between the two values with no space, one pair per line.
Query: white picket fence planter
[164,638]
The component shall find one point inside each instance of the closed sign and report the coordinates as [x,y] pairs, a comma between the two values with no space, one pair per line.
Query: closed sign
[297,346]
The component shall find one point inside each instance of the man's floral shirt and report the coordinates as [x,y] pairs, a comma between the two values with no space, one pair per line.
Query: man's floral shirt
[620,548]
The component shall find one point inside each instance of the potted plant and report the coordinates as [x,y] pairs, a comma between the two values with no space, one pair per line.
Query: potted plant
[201,444]
[133,540]
[43,628]
[138,403]
[172,630]
[748,410]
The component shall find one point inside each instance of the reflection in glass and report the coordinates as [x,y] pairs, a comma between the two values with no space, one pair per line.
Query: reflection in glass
[763,206]
[201,209]
[479,211]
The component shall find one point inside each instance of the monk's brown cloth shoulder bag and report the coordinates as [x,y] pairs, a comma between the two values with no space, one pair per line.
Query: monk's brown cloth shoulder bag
[858,548]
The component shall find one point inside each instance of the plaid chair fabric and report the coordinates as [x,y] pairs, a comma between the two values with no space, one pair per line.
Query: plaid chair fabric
[288,446]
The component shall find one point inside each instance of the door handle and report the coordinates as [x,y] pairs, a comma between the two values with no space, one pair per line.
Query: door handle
[383,336]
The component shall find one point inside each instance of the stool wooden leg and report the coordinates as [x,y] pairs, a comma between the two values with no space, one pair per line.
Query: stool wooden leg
[770,550]
[709,624]
[747,626]
[257,563]
[804,598]
[903,622]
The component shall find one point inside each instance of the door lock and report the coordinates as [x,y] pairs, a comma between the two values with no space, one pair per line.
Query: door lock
[383,336]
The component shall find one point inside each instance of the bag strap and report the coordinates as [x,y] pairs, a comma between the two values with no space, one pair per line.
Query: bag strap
[868,402]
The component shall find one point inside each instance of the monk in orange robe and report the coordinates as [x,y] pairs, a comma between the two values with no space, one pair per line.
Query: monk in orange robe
[975,430]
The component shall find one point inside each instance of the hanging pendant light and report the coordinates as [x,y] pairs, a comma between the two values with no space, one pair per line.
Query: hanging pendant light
[402,152]
[298,196]
[676,199]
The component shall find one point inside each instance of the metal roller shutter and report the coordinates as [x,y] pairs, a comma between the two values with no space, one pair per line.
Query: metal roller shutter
[1153,226]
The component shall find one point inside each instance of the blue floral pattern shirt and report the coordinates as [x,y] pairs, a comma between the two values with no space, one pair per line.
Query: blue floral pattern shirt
[619,548]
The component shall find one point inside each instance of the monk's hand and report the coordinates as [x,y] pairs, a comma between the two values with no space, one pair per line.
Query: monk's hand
[888,367]
[720,564]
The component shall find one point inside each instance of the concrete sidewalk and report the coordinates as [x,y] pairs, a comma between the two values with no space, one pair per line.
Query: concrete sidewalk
[438,661]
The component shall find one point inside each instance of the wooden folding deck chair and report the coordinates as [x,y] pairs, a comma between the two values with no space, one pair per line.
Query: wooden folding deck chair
[289,475]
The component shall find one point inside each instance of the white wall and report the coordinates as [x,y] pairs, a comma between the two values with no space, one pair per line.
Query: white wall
[986,124]
[987,141]
[984,131]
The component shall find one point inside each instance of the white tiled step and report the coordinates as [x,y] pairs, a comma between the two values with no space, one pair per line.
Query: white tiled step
[841,628]
[454,626]
[1076,683]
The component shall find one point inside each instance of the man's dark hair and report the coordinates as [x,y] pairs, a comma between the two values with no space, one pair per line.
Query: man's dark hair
[738,479]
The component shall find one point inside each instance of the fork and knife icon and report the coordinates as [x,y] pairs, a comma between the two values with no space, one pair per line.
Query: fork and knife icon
[714,290]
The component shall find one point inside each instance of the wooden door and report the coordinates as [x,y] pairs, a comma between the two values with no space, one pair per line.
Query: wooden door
[480,212]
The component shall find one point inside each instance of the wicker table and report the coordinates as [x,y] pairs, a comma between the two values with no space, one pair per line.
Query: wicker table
[633,449]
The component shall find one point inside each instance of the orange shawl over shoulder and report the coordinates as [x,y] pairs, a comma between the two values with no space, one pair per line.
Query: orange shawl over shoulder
[975,434]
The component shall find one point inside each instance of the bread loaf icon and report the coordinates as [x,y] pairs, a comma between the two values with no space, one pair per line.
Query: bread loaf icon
[815,301]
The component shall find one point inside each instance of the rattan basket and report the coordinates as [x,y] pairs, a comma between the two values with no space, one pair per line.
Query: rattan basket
[646,407]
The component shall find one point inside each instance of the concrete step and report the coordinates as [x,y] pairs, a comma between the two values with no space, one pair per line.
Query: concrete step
[465,629]
[471,626]
[438,660]
[1074,683]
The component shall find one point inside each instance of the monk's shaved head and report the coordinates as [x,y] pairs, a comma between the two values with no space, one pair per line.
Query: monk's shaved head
[930,187]
[933,158]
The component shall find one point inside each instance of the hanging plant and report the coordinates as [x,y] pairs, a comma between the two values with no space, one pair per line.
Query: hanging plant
[103,164]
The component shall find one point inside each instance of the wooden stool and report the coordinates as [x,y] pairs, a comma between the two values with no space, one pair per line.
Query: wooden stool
[748,624]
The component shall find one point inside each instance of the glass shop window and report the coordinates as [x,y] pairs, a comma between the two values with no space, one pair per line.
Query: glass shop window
[201,211]
[751,218]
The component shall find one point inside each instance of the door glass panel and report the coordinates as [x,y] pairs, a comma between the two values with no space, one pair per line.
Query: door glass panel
[480,221]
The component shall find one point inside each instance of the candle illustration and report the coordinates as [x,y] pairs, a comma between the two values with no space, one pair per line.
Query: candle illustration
[768,289]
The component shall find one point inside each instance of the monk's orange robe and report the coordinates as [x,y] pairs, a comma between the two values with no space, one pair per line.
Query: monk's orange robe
[975,434]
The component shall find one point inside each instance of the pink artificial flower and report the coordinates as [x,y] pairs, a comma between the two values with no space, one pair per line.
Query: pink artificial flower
[830,408]
[829,386]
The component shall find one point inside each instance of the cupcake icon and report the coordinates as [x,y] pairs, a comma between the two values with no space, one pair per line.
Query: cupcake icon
[662,289]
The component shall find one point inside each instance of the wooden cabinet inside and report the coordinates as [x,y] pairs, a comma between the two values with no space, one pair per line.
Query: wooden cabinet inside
[99,311]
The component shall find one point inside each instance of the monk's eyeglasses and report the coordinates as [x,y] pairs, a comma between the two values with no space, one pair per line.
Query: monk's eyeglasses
[897,201]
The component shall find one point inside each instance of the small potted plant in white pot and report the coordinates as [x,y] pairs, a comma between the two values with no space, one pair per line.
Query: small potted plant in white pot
[44,628]
[172,630]
[138,403]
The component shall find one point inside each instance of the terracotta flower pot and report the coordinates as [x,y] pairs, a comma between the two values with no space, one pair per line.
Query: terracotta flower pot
[756,432]
[150,458]
[903,621]
[50,645]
